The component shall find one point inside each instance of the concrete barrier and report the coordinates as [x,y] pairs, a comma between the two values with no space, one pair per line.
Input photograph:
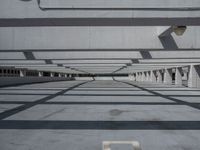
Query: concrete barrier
[13,81]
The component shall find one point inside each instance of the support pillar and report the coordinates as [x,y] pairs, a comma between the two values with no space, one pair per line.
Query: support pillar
[22,73]
[159,76]
[140,76]
[194,76]
[143,76]
[153,76]
[52,74]
[185,75]
[178,76]
[40,74]
[137,76]
[168,76]
[132,77]
[148,76]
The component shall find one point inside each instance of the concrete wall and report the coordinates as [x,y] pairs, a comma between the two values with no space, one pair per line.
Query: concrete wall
[9,81]
[121,78]
[83,78]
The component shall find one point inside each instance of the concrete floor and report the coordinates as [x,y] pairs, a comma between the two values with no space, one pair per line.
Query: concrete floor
[75,116]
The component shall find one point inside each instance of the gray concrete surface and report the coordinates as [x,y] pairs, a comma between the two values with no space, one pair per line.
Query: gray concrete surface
[48,116]
[9,81]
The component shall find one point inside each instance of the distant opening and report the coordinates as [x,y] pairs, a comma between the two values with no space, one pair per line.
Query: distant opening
[46,74]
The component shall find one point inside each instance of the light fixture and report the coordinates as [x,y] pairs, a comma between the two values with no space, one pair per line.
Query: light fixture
[179,30]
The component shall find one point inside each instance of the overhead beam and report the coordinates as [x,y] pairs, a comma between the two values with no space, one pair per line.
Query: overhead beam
[34,22]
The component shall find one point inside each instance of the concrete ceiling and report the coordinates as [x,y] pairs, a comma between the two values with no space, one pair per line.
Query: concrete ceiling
[91,36]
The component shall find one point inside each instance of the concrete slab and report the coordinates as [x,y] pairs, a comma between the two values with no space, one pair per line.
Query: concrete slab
[84,117]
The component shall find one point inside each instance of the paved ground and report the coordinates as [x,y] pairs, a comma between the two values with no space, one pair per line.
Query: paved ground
[74,115]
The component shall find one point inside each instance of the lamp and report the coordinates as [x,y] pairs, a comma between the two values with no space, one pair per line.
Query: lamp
[179,30]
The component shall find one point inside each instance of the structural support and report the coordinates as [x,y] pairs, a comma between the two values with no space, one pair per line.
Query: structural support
[148,76]
[140,76]
[178,76]
[185,75]
[153,76]
[143,76]
[52,74]
[137,76]
[168,76]
[22,73]
[132,77]
[40,74]
[159,76]
[194,76]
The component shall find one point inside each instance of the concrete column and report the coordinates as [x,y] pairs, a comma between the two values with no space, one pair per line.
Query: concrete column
[132,77]
[148,76]
[159,76]
[185,75]
[153,76]
[65,75]
[22,73]
[52,74]
[143,76]
[194,76]
[40,74]
[59,75]
[178,76]
[137,76]
[168,76]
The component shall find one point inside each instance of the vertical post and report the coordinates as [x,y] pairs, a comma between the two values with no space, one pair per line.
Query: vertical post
[137,76]
[40,74]
[168,76]
[148,76]
[22,73]
[140,76]
[159,76]
[178,76]
[143,76]
[194,76]
[153,76]
[52,74]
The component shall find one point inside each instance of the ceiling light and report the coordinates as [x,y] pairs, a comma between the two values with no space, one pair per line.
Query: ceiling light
[179,30]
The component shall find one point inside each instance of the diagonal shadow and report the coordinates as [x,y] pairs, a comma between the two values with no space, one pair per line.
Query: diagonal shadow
[145,54]
[96,103]
[100,125]
[168,42]
[163,96]
[26,106]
